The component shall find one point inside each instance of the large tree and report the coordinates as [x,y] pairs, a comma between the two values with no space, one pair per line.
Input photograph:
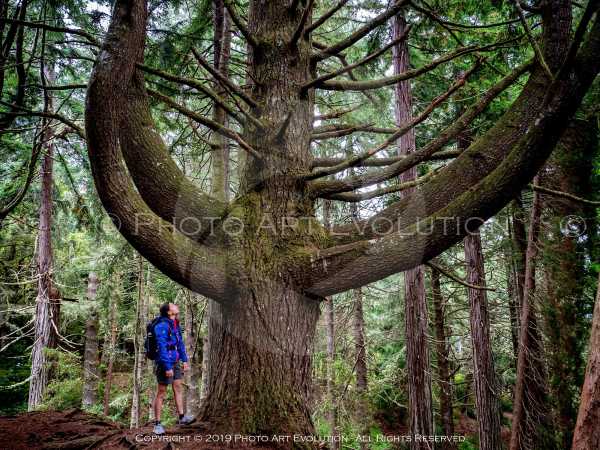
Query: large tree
[264,256]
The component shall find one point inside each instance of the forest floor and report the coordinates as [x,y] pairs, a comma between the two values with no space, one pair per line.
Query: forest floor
[76,430]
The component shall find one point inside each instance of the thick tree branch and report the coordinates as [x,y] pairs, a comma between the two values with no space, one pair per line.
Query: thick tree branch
[108,129]
[44,26]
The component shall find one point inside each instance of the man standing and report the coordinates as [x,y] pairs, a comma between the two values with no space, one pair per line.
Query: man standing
[170,363]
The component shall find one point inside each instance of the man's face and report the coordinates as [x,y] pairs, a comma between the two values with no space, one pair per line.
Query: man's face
[173,311]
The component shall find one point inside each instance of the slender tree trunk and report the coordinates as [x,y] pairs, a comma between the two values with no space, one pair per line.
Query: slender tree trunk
[91,373]
[529,425]
[587,429]
[46,312]
[332,400]
[112,325]
[331,390]
[443,360]
[416,325]
[192,341]
[486,386]
[513,290]
[139,357]
[220,163]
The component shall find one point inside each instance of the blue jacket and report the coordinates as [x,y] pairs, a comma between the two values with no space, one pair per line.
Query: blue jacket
[171,347]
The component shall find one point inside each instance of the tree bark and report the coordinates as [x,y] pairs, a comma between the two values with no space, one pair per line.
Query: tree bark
[530,415]
[332,400]
[47,302]
[587,429]
[330,375]
[416,321]
[112,345]
[443,360]
[138,347]
[193,341]
[484,376]
[91,374]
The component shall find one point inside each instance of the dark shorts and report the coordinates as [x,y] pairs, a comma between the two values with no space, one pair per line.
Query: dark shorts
[162,378]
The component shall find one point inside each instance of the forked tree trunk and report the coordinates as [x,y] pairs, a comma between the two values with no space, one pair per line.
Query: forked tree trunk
[138,341]
[91,373]
[112,344]
[443,360]
[46,313]
[530,411]
[587,429]
[416,322]
[484,376]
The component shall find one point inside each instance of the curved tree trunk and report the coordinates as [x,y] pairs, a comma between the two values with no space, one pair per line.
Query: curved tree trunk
[484,376]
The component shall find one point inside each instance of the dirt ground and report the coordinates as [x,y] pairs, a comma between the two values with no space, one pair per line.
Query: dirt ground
[77,430]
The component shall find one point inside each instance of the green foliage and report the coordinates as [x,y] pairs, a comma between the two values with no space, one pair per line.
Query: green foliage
[65,388]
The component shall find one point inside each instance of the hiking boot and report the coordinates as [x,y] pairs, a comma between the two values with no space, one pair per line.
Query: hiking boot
[158,429]
[185,420]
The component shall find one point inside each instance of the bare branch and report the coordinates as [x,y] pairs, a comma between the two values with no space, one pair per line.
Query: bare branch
[300,28]
[379,162]
[334,186]
[566,195]
[456,278]
[394,137]
[239,23]
[321,20]
[44,26]
[224,80]
[209,123]
[359,63]
[343,85]
[190,82]
[353,197]
[361,32]
[536,48]
[336,114]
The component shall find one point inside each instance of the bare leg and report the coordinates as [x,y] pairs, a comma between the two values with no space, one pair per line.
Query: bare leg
[161,391]
[178,394]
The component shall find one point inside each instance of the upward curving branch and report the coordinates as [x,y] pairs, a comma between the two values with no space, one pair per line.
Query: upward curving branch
[108,130]
[472,188]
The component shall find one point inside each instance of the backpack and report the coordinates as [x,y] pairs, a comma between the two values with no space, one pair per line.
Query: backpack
[150,345]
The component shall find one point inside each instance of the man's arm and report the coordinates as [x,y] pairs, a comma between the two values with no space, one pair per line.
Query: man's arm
[181,346]
[161,330]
